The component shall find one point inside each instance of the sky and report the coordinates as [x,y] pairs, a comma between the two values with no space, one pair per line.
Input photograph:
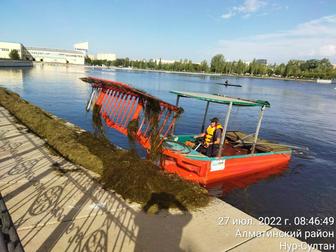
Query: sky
[276,30]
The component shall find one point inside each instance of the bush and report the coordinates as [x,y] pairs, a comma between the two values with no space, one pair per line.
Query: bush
[14,55]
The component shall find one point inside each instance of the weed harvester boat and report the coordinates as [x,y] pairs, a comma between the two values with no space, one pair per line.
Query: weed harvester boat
[151,122]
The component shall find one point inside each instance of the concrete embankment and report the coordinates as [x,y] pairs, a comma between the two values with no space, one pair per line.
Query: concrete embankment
[15,63]
[58,206]
[123,171]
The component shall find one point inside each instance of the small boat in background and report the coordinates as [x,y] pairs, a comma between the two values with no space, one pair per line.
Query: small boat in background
[227,84]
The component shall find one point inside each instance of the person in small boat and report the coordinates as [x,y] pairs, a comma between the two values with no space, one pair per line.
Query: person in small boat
[211,138]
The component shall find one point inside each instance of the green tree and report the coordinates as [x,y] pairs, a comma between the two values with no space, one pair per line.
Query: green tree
[126,62]
[189,67]
[160,64]
[119,62]
[14,54]
[151,64]
[280,69]
[253,67]
[240,67]
[88,60]
[217,63]
[204,66]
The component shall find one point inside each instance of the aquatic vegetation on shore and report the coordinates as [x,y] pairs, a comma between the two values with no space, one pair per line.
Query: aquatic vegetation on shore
[133,178]
[152,112]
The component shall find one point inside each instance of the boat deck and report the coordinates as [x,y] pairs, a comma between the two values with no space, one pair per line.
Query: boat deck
[231,147]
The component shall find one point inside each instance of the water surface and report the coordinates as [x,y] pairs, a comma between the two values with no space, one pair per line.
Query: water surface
[301,114]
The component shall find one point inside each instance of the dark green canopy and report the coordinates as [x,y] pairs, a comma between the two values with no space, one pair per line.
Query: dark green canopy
[222,99]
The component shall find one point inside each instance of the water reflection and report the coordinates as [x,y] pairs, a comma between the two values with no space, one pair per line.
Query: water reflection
[221,189]
[12,77]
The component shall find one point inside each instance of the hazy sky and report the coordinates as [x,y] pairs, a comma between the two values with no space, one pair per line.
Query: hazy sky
[175,29]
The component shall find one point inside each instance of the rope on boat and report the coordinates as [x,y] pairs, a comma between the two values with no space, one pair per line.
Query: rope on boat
[185,148]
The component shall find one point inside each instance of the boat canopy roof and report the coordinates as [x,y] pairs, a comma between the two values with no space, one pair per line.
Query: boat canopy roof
[216,98]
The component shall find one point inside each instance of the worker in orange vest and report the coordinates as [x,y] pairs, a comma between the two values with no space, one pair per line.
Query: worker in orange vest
[211,138]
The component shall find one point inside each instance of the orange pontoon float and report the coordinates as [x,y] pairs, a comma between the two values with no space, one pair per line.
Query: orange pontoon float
[240,154]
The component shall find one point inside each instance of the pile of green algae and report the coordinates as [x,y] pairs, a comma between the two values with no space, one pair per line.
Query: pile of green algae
[133,178]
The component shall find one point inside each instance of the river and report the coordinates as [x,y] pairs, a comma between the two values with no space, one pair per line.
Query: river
[301,114]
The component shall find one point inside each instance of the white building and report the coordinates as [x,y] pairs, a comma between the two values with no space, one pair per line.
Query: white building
[164,61]
[6,48]
[82,47]
[57,55]
[42,54]
[106,56]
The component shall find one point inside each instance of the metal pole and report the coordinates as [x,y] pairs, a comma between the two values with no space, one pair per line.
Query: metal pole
[261,113]
[177,100]
[224,129]
[177,103]
[205,114]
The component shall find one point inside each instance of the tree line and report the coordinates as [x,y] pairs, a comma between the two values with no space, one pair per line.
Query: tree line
[300,69]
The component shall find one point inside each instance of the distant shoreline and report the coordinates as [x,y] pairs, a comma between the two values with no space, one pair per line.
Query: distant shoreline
[188,73]
[5,63]
[205,74]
